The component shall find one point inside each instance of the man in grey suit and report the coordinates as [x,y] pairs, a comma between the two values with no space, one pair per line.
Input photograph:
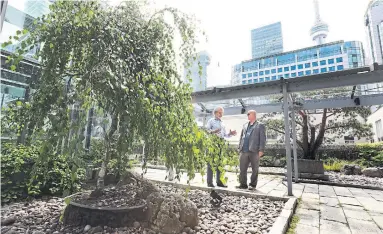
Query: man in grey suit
[251,147]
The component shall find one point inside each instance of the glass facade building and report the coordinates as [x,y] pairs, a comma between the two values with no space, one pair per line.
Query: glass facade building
[330,57]
[373,25]
[14,84]
[266,40]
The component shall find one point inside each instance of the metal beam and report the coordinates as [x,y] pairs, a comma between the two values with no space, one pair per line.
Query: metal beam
[351,77]
[294,133]
[339,102]
[287,140]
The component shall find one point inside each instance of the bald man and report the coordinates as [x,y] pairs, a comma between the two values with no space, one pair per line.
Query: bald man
[251,147]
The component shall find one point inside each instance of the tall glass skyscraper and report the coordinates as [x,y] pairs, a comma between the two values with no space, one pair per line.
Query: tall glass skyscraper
[373,22]
[330,57]
[266,40]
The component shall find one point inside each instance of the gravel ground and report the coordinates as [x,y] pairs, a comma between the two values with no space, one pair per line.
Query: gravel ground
[355,179]
[235,215]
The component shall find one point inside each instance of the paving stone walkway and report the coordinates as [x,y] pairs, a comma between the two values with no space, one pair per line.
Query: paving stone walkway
[323,209]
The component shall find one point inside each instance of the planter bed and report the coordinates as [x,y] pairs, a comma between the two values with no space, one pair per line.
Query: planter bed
[238,213]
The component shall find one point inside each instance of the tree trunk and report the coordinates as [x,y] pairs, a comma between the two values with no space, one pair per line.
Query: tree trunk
[319,140]
[104,164]
[305,136]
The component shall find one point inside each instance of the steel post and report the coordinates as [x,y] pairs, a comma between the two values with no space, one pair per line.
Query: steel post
[287,139]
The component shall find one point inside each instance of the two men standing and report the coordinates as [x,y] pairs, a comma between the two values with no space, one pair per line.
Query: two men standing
[251,147]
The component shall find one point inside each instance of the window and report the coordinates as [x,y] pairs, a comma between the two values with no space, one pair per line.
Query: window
[331,69]
[379,130]
[349,140]
[307,65]
[294,74]
[280,69]
[323,62]
[287,75]
[339,60]
[273,77]
[293,68]
[267,78]
[340,67]
[300,66]
[250,81]
[255,74]
[331,61]
[273,71]
[267,72]
[250,75]
[261,73]
[243,76]
[323,69]
[286,69]
[316,71]
[244,82]
[261,80]
[315,64]
[300,73]
[255,80]
[308,72]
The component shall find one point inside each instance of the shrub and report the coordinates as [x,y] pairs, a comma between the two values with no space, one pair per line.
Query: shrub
[25,172]
[334,164]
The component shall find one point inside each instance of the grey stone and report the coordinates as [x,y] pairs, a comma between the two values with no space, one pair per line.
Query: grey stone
[351,170]
[170,213]
[373,172]
[348,201]
[8,221]
[136,224]
[356,212]
[310,166]
[329,201]
[87,228]
[96,230]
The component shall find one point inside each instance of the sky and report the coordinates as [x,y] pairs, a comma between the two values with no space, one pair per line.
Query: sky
[228,24]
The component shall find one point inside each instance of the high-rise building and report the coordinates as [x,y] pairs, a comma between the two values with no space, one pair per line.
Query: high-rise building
[197,72]
[320,29]
[330,57]
[266,40]
[374,31]
[37,8]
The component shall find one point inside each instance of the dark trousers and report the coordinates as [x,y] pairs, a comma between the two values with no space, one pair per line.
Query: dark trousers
[245,159]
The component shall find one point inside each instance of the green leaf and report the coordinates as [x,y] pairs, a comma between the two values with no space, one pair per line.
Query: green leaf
[13,67]
[51,45]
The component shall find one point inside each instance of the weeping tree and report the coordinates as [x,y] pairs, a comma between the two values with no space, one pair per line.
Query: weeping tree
[318,127]
[122,60]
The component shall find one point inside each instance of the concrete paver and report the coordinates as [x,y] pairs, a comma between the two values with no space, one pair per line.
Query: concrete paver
[331,227]
[356,212]
[362,226]
[348,201]
[323,209]
[305,229]
[329,201]
[332,214]
[308,217]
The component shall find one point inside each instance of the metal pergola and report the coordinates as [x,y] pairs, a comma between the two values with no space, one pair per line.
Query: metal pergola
[351,77]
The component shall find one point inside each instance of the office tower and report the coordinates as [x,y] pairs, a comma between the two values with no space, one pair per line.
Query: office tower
[320,29]
[198,76]
[266,40]
[374,31]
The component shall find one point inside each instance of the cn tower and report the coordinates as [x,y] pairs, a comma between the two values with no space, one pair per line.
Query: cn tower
[320,29]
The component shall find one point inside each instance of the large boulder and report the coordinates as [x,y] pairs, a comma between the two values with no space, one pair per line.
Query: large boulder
[373,172]
[351,170]
[171,213]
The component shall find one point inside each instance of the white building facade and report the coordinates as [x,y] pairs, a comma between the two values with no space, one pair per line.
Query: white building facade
[196,74]
[376,120]
[374,31]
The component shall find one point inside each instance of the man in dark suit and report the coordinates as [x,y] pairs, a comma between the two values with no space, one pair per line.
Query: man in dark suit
[251,147]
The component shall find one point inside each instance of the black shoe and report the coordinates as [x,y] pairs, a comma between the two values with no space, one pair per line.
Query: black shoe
[221,185]
[242,186]
[210,185]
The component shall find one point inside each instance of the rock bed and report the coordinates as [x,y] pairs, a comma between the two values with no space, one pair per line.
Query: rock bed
[124,196]
[235,215]
[355,179]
